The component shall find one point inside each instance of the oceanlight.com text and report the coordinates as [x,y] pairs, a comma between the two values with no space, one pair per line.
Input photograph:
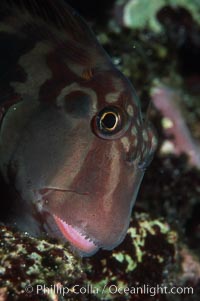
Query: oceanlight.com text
[77,289]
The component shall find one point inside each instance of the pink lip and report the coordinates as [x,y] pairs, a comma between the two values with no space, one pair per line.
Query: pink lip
[77,239]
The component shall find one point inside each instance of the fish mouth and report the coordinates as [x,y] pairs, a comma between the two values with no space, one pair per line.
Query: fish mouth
[81,242]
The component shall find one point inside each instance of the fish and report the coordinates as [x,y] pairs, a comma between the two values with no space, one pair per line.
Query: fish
[74,145]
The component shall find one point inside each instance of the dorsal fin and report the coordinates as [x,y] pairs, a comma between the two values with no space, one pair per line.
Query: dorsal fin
[48,26]
[54,14]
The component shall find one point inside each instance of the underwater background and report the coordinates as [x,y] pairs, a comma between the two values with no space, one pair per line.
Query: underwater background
[156,44]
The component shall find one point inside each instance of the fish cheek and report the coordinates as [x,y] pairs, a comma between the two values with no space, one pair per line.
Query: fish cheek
[116,221]
[40,150]
[101,198]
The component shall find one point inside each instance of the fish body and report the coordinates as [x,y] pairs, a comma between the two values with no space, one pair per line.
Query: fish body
[73,143]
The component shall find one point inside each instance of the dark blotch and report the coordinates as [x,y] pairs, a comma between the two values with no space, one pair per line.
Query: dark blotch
[78,104]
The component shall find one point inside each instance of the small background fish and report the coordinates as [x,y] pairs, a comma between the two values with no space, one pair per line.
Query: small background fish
[73,143]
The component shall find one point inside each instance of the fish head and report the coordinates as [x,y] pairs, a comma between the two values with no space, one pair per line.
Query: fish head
[74,145]
[107,149]
[80,160]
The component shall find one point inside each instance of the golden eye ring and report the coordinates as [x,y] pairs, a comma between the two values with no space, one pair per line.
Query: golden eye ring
[109,121]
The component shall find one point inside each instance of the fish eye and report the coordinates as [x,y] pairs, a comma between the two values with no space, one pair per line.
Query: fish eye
[110,122]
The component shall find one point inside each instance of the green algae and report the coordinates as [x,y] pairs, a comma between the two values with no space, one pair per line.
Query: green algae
[140,14]
[127,264]
[29,261]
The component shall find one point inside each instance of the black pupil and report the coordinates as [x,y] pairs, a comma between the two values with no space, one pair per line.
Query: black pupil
[109,121]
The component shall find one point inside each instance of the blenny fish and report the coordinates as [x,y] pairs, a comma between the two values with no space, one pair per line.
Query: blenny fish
[73,143]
